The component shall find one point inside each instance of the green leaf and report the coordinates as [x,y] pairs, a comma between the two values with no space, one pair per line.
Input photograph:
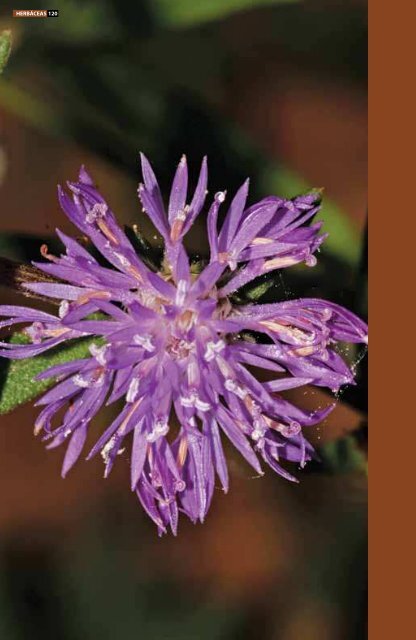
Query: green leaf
[343,456]
[256,291]
[19,384]
[191,12]
[5,48]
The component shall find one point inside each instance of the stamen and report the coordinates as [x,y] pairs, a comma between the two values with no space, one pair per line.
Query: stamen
[44,252]
[257,434]
[253,407]
[229,257]
[106,231]
[79,381]
[224,367]
[179,349]
[96,212]
[144,341]
[106,450]
[160,429]
[99,353]
[55,333]
[63,308]
[178,223]
[311,260]
[193,373]
[123,260]
[201,405]
[39,425]
[287,430]
[293,332]
[182,451]
[193,400]
[278,263]
[179,485]
[236,388]
[36,332]
[262,241]
[292,429]
[88,295]
[135,273]
[213,348]
[147,299]
[186,320]
[303,351]
[181,292]
[326,313]
[259,429]
[96,379]
[132,390]
[130,412]
[187,401]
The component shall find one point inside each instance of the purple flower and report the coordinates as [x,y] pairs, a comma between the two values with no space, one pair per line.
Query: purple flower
[169,343]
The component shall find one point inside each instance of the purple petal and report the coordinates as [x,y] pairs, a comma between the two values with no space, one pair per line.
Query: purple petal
[84,176]
[28,314]
[74,448]
[179,190]
[52,290]
[199,196]
[213,434]
[233,217]
[238,439]
[64,369]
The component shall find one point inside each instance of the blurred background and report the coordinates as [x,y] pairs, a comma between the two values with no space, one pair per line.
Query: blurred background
[274,90]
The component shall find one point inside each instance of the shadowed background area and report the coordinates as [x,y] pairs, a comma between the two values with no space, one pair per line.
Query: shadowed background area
[267,89]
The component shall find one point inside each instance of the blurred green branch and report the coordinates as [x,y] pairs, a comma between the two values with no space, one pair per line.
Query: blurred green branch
[29,108]
[5,48]
[190,12]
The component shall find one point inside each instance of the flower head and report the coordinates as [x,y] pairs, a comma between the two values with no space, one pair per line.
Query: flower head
[175,350]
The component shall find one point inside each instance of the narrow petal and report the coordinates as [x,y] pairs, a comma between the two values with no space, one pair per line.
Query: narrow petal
[52,290]
[138,454]
[74,448]
[179,190]
[199,196]
[234,216]
[238,439]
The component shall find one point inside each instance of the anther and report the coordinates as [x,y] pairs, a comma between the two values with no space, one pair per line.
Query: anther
[133,390]
[236,388]
[144,341]
[96,212]
[213,348]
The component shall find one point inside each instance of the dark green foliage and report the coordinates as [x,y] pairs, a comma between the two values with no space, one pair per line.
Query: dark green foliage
[343,456]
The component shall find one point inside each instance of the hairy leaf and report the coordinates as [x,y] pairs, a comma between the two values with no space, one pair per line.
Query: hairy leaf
[19,385]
